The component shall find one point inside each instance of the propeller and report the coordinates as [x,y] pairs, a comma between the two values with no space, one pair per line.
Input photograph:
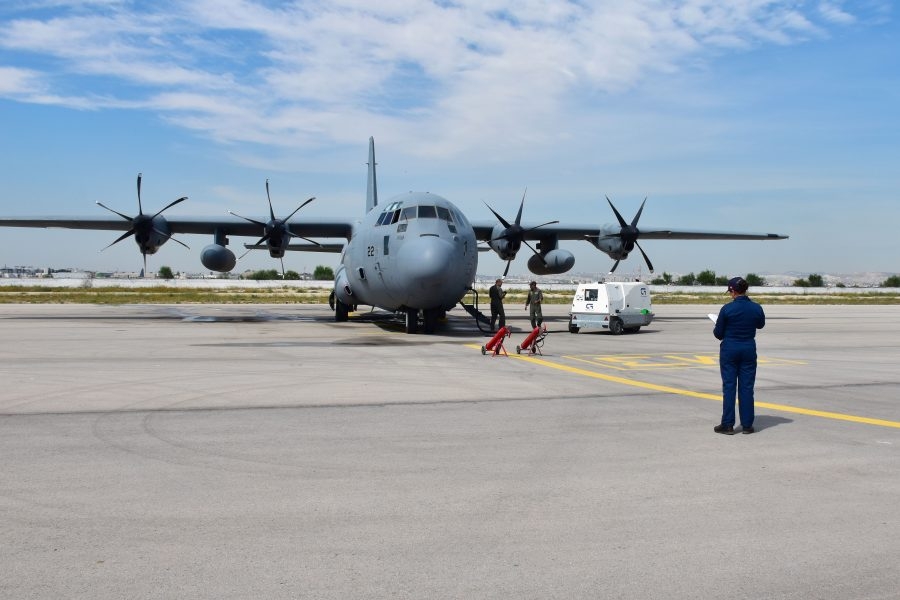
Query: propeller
[514,233]
[276,231]
[143,225]
[629,234]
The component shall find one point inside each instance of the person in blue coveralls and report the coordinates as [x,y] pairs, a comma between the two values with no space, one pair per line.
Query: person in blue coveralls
[736,326]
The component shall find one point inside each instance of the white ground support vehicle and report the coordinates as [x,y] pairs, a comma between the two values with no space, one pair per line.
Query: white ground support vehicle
[617,306]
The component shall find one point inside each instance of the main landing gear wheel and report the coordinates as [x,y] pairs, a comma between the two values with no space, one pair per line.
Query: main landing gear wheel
[412,320]
[341,311]
[616,327]
[431,316]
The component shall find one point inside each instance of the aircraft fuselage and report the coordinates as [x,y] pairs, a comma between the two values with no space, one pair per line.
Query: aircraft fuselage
[416,251]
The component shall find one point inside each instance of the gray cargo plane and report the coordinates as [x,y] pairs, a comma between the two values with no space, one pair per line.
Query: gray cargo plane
[415,254]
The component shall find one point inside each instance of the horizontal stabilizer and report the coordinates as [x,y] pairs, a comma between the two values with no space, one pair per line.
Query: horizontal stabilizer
[333,248]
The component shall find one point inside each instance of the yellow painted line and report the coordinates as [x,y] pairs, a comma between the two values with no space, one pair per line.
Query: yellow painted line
[705,396]
[657,362]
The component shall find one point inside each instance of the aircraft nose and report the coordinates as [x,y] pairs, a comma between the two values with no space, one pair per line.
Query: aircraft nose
[426,260]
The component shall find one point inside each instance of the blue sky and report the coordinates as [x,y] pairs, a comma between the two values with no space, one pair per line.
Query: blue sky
[743,115]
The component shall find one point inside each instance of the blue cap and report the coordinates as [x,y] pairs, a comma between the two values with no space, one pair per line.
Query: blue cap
[737,284]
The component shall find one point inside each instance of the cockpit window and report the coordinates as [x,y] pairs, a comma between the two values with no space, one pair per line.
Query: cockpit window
[444,214]
[408,213]
[460,218]
[427,212]
[387,217]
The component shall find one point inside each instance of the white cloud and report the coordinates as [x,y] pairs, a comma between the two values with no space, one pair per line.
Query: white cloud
[16,83]
[833,13]
[458,75]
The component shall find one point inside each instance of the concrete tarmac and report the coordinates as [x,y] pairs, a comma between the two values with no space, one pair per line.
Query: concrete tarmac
[268,452]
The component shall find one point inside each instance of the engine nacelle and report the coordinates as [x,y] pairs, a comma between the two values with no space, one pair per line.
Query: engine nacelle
[216,257]
[614,248]
[555,262]
[504,248]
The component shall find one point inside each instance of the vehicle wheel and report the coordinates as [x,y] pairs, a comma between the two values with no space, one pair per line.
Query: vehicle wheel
[483,350]
[518,350]
[615,326]
[573,328]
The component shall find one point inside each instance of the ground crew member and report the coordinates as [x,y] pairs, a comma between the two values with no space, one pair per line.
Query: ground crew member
[497,293]
[736,326]
[534,299]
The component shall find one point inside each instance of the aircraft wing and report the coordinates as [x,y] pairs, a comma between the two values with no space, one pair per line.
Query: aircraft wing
[675,234]
[187,225]
[616,241]
[484,231]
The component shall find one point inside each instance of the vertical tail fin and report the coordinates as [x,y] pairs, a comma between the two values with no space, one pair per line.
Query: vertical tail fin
[372,191]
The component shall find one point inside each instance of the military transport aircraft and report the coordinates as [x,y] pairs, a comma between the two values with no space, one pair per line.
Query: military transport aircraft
[416,253]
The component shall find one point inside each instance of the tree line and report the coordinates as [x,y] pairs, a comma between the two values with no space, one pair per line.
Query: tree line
[321,273]
[709,277]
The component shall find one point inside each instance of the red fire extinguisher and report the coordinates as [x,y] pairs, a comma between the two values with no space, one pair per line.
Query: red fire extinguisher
[496,343]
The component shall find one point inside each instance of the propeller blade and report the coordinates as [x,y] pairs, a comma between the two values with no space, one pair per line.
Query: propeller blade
[506,270]
[499,218]
[144,272]
[140,208]
[530,247]
[622,222]
[634,222]
[170,205]
[169,237]
[300,237]
[644,254]
[128,233]
[298,208]
[271,210]
[614,267]
[539,226]
[259,243]
[126,217]
[521,206]
[261,224]
[283,274]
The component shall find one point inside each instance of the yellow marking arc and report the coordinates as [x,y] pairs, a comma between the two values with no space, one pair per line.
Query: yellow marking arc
[705,396]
